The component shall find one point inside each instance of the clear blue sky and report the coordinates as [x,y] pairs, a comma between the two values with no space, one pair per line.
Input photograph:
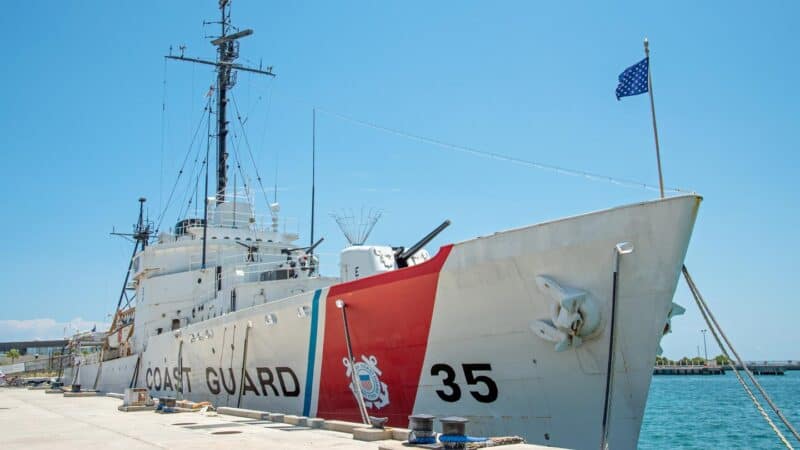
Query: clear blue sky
[81,128]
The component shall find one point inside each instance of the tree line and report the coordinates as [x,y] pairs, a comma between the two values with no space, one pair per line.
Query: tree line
[721,360]
[12,354]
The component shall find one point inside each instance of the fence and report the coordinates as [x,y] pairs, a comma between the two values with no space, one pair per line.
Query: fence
[51,363]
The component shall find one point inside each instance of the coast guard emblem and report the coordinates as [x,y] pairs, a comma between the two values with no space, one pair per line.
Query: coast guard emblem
[374,391]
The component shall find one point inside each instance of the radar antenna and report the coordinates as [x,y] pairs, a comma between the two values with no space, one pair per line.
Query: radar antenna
[357,227]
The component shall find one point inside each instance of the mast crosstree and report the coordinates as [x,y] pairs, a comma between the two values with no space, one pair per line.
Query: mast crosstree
[227,52]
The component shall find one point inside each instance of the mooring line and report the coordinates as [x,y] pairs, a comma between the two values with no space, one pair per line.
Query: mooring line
[713,325]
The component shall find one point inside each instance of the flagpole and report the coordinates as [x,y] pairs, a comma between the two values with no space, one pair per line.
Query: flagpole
[653,114]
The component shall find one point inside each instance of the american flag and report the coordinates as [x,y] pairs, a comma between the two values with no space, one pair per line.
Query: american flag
[633,80]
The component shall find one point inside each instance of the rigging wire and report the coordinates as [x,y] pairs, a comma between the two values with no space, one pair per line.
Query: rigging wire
[192,199]
[250,151]
[163,130]
[239,163]
[501,157]
[180,172]
[264,136]
[187,192]
[196,194]
[252,105]
[191,97]
[190,196]
[238,159]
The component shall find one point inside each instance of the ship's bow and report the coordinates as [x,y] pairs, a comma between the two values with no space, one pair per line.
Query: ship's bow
[519,340]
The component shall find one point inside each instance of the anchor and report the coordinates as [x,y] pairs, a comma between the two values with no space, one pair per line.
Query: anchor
[574,315]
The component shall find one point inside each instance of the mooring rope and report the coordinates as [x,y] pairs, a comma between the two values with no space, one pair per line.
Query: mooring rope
[713,325]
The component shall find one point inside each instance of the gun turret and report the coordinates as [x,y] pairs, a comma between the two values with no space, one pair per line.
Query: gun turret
[314,245]
[402,256]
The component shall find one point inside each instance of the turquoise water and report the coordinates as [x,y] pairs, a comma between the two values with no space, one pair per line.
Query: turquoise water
[700,412]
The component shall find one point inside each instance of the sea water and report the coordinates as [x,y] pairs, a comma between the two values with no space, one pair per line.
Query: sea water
[714,412]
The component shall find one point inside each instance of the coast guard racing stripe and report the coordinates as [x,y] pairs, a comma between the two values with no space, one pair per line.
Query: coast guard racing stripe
[389,317]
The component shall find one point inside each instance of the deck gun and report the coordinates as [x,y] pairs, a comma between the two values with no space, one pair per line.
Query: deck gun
[402,255]
[308,250]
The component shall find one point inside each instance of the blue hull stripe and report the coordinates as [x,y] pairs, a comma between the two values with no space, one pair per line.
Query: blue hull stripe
[312,353]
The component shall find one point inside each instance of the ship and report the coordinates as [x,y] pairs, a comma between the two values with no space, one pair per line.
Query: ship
[548,331]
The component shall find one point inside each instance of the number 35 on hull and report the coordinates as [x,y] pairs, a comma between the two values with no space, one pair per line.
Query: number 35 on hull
[478,381]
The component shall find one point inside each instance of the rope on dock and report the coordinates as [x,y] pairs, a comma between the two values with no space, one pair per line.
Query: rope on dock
[713,325]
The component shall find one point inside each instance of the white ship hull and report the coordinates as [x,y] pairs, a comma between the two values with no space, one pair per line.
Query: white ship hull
[460,334]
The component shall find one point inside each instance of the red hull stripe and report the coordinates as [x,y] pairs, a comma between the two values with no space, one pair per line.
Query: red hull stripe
[389,316]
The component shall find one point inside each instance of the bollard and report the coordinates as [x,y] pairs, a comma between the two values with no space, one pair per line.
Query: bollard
[421,426]
[454,432]
[378,422]
[454,426]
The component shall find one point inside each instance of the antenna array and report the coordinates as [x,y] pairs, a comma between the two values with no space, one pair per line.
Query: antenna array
[357,227]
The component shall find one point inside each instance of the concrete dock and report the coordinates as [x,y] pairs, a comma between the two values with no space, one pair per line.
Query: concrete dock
[30,419]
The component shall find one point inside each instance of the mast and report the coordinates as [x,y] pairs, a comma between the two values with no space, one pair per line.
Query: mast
[227,52]
[313,170]
[205,195]
[141,236]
